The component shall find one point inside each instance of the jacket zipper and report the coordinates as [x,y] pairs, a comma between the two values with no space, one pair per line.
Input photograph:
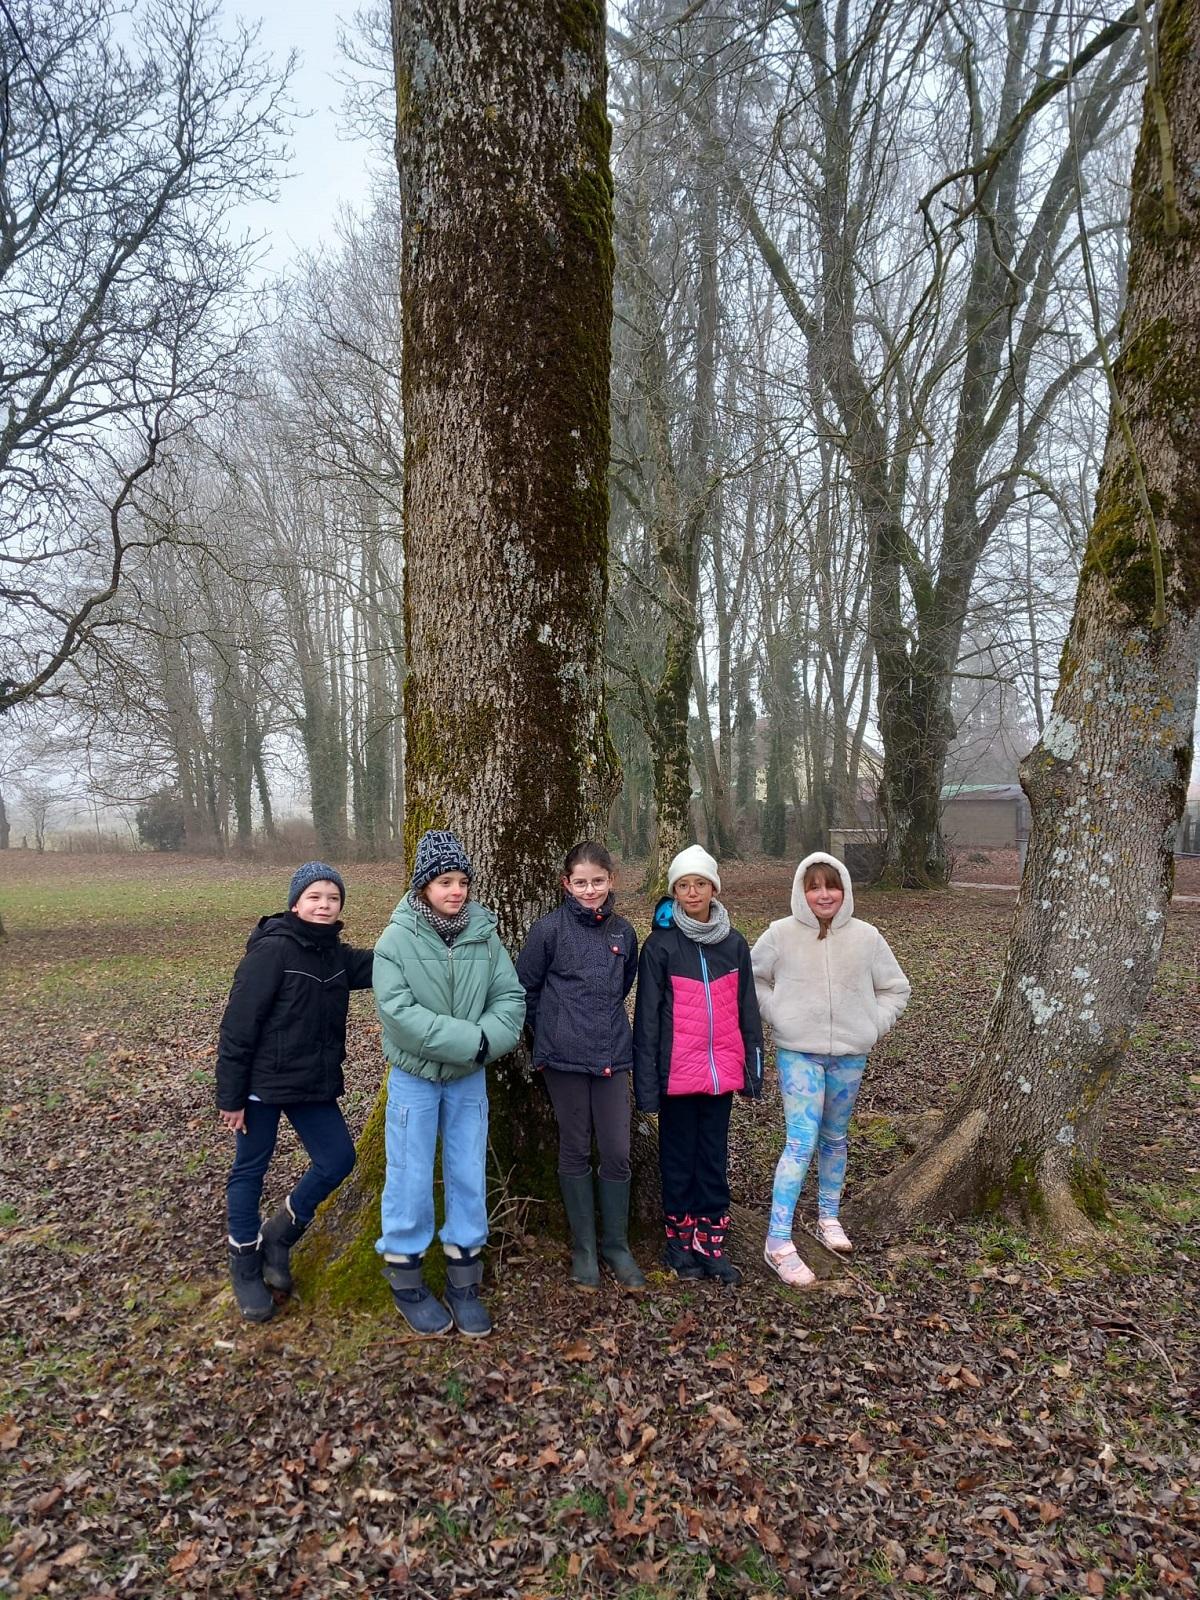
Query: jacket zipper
[712,1060]
[829,992]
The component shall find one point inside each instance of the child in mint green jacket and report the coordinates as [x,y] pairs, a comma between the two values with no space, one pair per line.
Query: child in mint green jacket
[449,1001]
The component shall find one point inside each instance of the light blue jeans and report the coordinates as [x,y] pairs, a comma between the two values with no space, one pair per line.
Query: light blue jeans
[417,1111]
[818,1097]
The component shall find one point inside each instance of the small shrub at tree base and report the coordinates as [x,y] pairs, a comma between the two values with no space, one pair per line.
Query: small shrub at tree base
[160,821]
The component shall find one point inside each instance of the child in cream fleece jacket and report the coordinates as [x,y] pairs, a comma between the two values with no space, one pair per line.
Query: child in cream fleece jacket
[830,987]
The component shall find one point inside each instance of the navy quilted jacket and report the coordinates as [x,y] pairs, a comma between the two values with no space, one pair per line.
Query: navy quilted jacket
[576,968]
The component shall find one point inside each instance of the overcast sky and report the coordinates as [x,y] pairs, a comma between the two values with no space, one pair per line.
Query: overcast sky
[327,169]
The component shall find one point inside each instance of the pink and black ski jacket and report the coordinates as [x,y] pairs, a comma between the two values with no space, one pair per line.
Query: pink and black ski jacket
[696,1028]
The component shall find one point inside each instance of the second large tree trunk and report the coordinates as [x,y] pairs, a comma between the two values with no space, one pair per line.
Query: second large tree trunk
[1108,780]
[502,147]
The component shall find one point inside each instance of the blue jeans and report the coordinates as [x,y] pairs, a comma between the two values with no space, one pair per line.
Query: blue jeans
[818,1096]
[322,1131]
[417,1111]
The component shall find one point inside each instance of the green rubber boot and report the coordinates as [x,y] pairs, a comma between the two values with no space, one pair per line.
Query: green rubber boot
[581,1218]
[614,1233]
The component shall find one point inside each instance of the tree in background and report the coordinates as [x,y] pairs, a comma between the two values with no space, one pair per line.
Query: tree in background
[502,146]
[126,139]
[1108,779]
[160,821]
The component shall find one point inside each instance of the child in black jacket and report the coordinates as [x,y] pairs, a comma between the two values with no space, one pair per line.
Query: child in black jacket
[577,967]
[282,1044]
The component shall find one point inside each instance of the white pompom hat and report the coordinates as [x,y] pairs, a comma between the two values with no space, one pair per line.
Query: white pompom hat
[694,862]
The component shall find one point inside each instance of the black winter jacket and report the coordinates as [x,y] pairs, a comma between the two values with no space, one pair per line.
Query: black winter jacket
[577,968]
[283,1035]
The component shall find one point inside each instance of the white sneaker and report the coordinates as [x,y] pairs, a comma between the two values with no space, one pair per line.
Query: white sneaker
[833,1236]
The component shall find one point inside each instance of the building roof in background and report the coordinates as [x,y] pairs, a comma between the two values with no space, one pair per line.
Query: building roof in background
[983,791]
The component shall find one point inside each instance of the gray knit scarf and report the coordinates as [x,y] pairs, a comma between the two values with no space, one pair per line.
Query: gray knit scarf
[446,928]
[710,932]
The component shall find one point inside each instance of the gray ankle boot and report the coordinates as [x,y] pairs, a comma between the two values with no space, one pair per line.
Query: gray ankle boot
[464,1274]
[614,1233]
[581,1218]
[415,1300]
[245,1272]
[279,1233]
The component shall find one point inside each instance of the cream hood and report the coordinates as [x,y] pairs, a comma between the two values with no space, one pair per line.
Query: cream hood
[801,909]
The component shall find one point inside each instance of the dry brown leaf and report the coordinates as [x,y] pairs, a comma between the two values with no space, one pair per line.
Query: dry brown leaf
[36,1579]
[724,1416]
[185,1559]
[579,1350]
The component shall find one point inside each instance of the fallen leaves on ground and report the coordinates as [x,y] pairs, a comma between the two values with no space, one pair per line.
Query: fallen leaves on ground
[965,1415]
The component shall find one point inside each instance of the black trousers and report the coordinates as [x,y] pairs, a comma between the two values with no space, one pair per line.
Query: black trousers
[586,1104]
[693,1154]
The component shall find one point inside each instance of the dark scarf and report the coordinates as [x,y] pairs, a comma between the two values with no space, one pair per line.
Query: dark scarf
[446,928]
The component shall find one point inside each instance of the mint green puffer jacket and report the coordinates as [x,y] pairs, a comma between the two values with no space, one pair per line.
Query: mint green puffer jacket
[434,1000]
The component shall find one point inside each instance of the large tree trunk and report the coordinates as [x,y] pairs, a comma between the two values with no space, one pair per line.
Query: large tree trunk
[502,145]
[1108,780]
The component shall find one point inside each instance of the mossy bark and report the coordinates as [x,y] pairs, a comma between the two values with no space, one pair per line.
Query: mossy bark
[502,147]
[1108,780]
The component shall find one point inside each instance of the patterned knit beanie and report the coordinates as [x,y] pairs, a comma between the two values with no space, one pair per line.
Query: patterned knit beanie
[694,862]
[314,872]
[438,851]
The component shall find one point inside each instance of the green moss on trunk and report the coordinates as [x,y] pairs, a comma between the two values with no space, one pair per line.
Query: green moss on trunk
[1019,1191]
[1090,1191]
[336,1265]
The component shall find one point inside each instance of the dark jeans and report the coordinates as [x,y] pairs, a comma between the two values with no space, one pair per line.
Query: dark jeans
[693,1154]
[322,1131]
[585,1105]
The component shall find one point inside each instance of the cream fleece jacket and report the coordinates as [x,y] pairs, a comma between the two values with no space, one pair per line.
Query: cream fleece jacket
[834,996]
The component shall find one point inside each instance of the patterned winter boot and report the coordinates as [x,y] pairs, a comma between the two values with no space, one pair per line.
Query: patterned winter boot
[677,1252]
[709,1245]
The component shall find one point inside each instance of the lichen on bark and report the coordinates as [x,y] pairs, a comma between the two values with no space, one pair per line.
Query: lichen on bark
[506,299]
[1107,782]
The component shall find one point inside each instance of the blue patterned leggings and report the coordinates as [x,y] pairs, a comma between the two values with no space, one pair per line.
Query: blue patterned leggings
[818,1097]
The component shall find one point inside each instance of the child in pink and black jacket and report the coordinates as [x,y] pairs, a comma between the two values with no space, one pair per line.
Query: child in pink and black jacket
[697,1040]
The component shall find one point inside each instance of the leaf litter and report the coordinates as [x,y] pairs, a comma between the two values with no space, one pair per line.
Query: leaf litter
[967,1414]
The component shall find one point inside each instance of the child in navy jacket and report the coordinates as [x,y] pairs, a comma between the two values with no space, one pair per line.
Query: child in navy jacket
[577,967]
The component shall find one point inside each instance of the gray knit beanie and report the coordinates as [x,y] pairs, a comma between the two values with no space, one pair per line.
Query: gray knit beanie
[438,851]
[314,872]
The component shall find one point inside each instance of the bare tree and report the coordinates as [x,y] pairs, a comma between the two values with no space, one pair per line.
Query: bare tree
[125,142]
[1108,779]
